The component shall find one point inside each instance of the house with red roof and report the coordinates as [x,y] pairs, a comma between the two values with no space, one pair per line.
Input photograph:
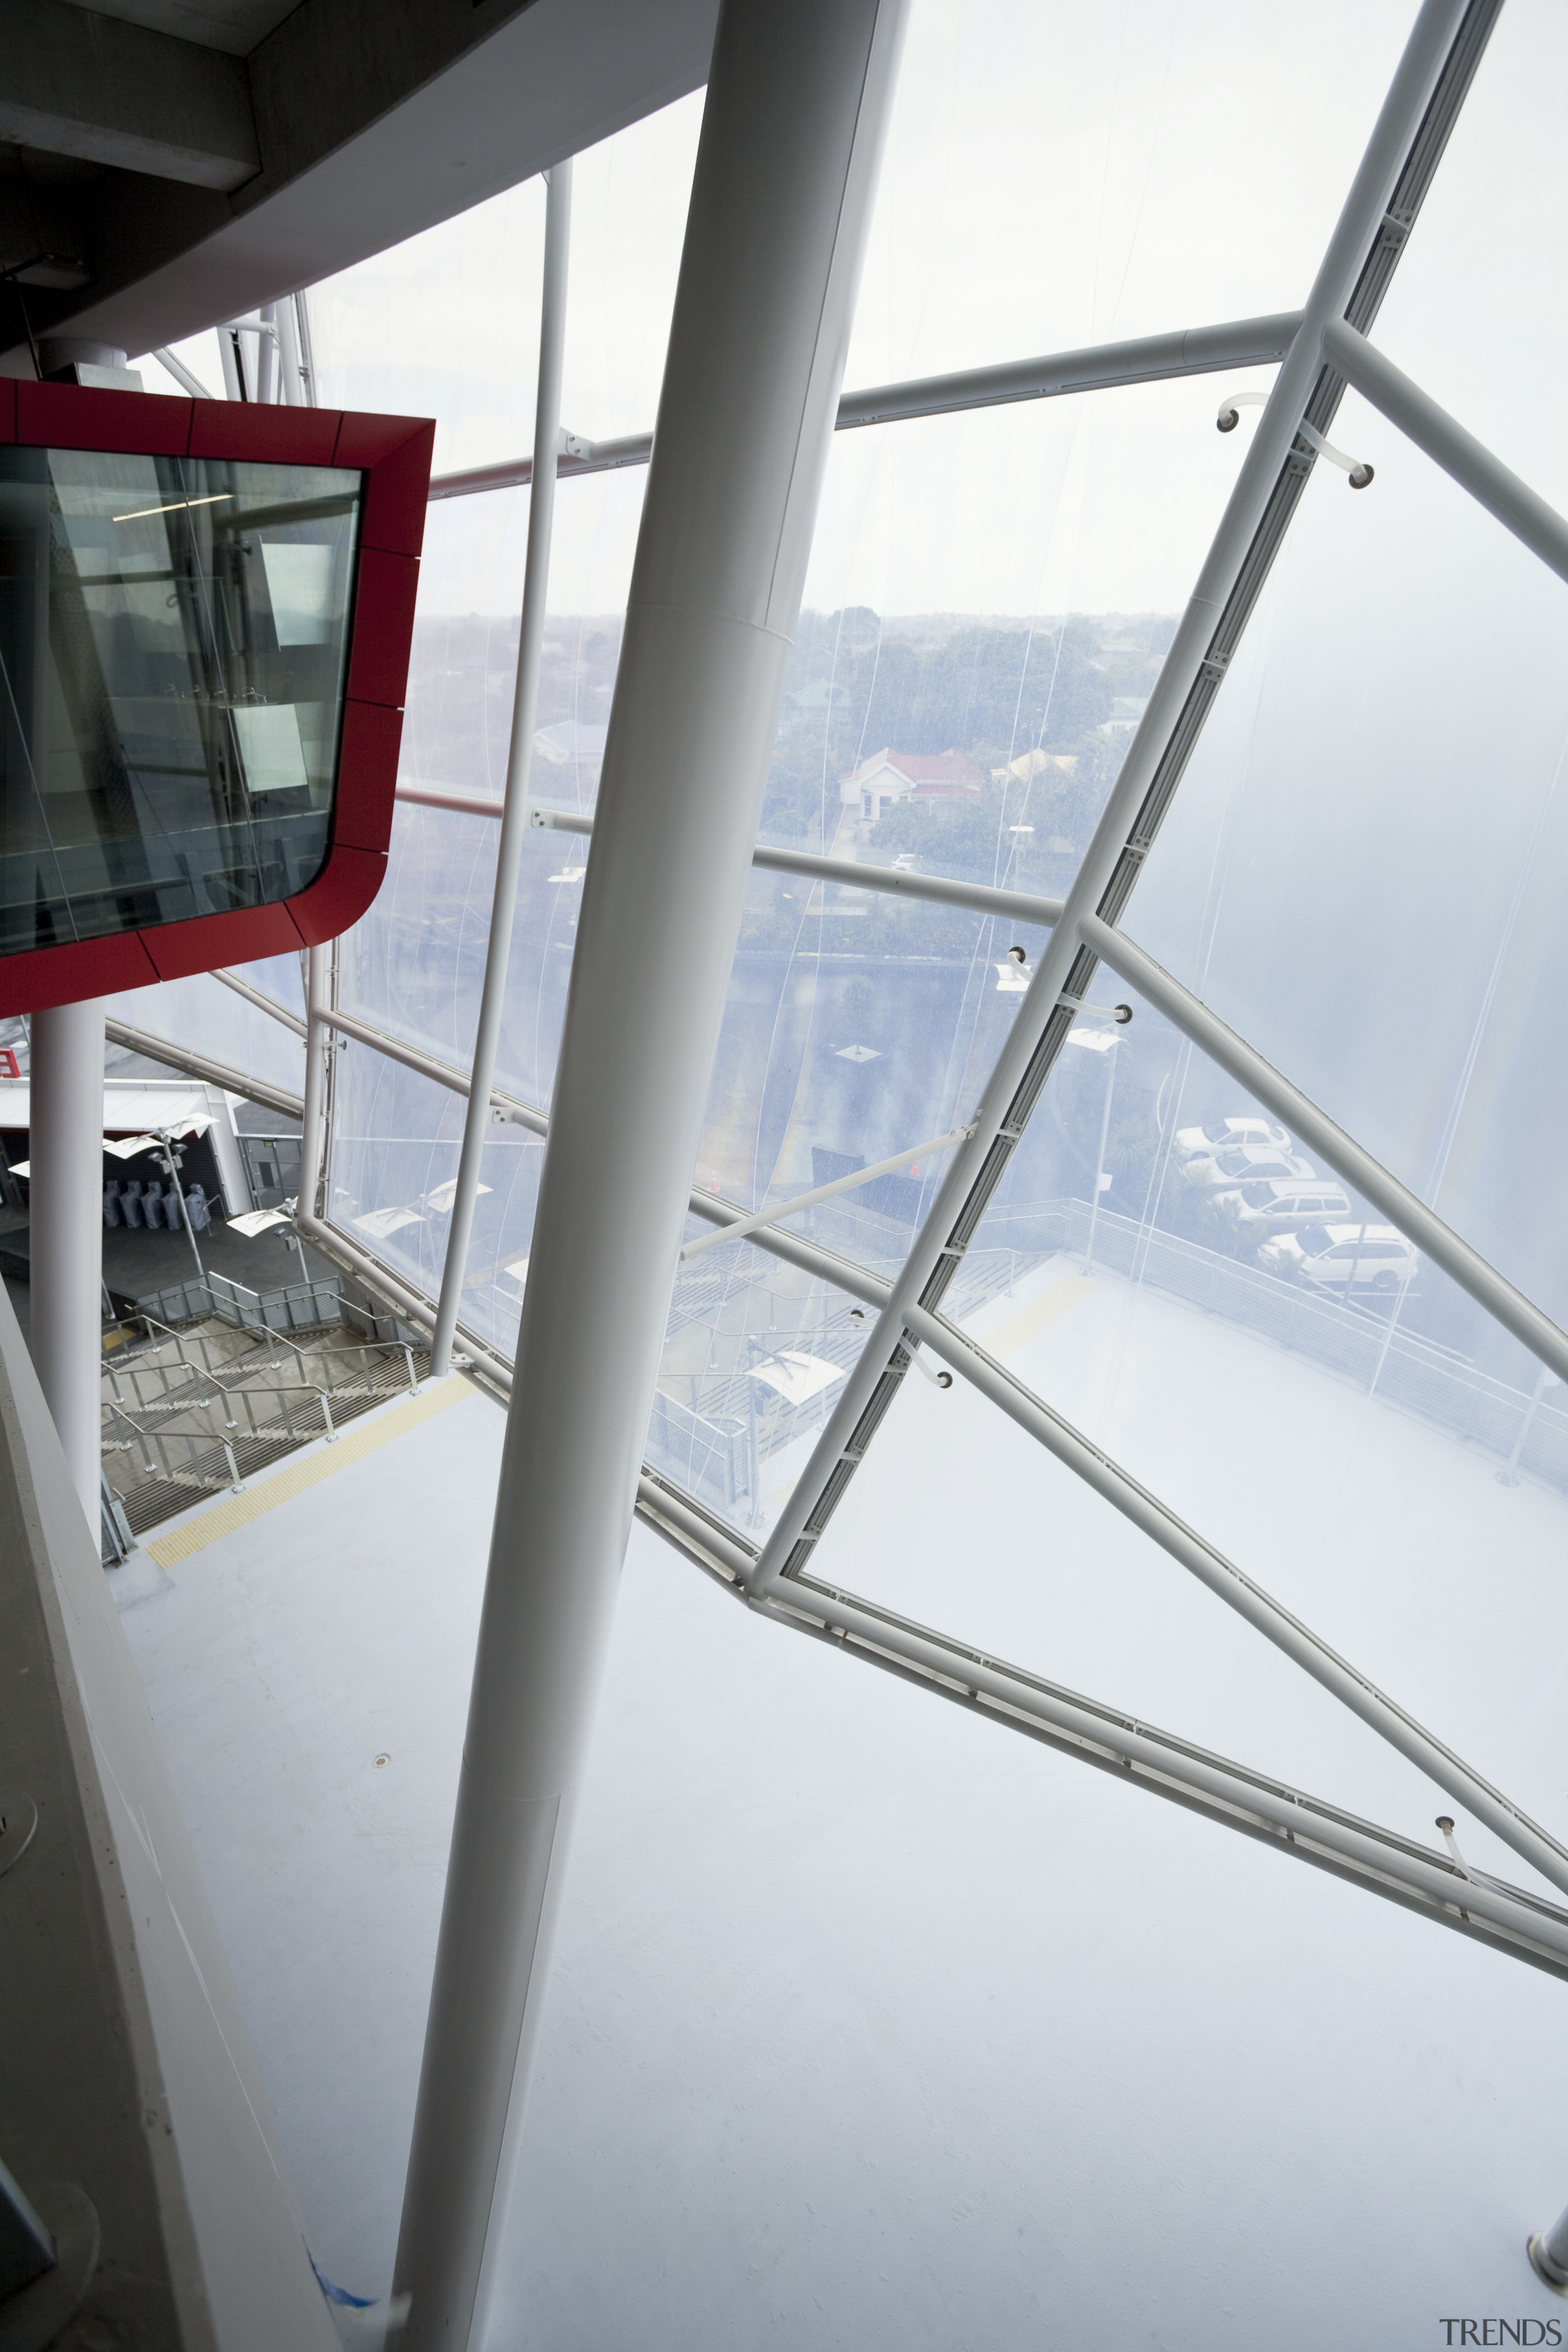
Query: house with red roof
[890,775]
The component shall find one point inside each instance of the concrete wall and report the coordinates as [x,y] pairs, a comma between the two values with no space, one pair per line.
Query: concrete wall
[126,2066]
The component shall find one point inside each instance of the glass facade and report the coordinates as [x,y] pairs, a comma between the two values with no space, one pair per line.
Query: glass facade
[1357,875]
[174,633]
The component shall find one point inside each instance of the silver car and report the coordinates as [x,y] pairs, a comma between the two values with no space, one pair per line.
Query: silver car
[1203,1142]
[1345,1258]
[1277,1204]
[1248,1164]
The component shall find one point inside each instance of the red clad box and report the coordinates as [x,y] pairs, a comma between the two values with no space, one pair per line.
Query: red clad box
[393,454]
[277,437]
[70,417]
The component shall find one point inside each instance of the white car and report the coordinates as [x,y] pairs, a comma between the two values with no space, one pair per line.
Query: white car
[1342,1257]
[1248,1164]
[1276,1204]
[1201,1142]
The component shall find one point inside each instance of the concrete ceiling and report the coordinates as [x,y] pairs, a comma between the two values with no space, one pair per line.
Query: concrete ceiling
[158,175]
[235,25]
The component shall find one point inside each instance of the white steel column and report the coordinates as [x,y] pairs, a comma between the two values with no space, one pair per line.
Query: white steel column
[306,356]
[290,388]
[791,133]
[318,1045]
[520,757]
[65,1155]
[266,369]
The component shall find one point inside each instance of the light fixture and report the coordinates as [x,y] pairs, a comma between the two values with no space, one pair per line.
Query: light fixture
[175,506]
[1229,417]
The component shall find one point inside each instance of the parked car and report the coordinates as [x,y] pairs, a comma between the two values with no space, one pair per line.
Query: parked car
[1339,1257]
[1200,1142]
[1248,1164]
[1282,1204]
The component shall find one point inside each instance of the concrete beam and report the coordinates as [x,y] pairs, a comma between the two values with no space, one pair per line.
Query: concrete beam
[76,83]
[375,118]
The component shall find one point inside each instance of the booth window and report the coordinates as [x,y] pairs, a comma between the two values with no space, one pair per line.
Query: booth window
[174,635]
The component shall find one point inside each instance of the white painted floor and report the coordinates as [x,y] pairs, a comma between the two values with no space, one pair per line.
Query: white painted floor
[873,2025]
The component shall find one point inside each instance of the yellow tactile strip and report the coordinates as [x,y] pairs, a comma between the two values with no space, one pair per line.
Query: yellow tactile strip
[283,1485]
[1004,1339]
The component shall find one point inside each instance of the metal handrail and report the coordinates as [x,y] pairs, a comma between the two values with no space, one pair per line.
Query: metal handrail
[277,1392]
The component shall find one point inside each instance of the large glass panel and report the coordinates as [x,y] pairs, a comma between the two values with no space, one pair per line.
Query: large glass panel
[173,635]
[414,964]
[959,701]
[1058,175]
[1174,1273]
[629,197]
[1363,869]
[447,324]
[283,978]
[393,1162]
[958,1521]
[754,1357]
[444,325]
[857,1026]
[1466,314]
[200,1015]
[463,670]
[393,1177]
[989,601]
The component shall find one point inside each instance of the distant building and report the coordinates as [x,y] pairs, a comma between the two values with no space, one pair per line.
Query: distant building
[1126,710]
[908,775]
[1056,769]
[568,744]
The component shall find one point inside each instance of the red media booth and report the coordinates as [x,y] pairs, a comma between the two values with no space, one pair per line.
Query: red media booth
[205,612]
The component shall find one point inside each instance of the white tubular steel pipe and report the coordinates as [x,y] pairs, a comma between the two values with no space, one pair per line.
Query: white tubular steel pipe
[460,804]
[745,1227]
[520,758]
[318,1044]
[1398,122]
[1414,1220]
[858,1280]
[65,1232]
[197,1066]
[787,168]
[1445,442]
[180,374]
[1206,1777]
[291,386]
[976,898]
[1150,359]
[1301,1644]
[262,1003]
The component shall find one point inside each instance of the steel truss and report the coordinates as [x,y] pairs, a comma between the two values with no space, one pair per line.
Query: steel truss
[1319,350]
[1150,359]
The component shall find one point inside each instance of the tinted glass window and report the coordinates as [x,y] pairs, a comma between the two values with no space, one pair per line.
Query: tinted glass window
[173,636]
